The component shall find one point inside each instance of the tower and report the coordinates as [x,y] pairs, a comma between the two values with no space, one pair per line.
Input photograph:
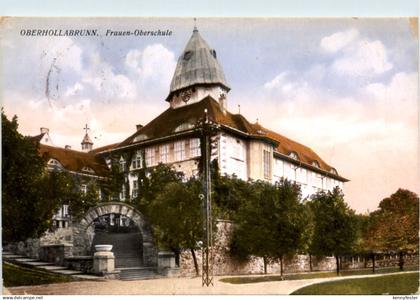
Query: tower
[197,74]
[87,143]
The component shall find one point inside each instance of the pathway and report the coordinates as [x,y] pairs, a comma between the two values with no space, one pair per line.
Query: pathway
[172,286]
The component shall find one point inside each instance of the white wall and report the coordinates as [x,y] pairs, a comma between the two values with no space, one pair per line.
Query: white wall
[310,181]
[233,156]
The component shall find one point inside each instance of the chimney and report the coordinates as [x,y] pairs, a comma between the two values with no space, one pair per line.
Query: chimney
[68,147]
[45,130]
[139,126]
[222,102]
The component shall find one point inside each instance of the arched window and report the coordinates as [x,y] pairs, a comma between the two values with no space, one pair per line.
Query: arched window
[53,163]
[87,169]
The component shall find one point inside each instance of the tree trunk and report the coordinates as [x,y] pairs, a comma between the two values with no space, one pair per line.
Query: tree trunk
[401,261]
[373,262]
[310,263]
[281,266]
[195,262]
[337,260]
[265,264]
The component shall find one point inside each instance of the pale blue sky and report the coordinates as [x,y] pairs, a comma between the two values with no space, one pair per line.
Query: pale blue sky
[345,87]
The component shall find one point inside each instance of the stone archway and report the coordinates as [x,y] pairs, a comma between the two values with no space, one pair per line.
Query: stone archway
[82,239]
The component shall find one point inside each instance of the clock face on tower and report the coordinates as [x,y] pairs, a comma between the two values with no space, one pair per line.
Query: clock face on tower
[186,95]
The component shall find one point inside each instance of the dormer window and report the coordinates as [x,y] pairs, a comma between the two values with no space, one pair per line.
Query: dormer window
[213,53]
[334,171]
[315,164]
[88,170]
[183,126]
[294,155]
[140,137]
[54,163]
[187,55]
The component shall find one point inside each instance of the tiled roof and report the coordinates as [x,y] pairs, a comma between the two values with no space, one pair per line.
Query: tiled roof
[75,161]
[103,148]
[37,138]
[286,146]
[166,124]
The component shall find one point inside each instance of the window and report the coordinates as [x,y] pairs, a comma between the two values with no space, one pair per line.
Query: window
[315,164]
[237,150]
[53,163]
[334,171]
[183,126]
[83,189]
[65,210]
[195,147]
[150,156]
[135,189]
[293,155]
[187,55]
[266,160]
[140,137]
[122,194]
[137,160]
[87,169]
[122,164]
[179,150]
[164,153]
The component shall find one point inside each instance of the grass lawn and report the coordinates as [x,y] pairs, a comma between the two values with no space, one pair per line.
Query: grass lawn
[256,279]
[14,275]
[396,284]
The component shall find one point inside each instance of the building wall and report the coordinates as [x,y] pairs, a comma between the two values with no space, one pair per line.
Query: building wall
[255,157]
[233,156]
[310,181]
[198,95]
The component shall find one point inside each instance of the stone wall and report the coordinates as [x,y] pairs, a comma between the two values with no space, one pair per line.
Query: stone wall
[224,264]
[57,236]
[55,253]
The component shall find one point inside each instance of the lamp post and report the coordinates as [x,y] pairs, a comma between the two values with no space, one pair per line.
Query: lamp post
[207,130]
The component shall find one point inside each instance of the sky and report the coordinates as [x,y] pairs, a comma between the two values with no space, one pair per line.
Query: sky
[346,87]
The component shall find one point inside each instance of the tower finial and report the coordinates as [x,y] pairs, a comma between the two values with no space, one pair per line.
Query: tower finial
[195,25]
[86,128]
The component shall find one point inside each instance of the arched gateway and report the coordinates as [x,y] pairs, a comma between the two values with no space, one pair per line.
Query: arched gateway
[122,226]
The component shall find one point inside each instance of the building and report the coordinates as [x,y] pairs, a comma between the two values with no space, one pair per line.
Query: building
[244,149]
[248,150]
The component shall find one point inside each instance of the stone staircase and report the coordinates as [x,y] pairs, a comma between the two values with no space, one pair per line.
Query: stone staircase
[45,266]
[137,273]
[127,247]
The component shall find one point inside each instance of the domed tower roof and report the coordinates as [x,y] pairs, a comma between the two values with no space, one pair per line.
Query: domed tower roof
[197,65]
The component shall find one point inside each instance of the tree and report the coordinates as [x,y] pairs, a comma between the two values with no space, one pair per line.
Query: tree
[269,222]
[394,226]
[27,204]
[335,230]
[308,231]
[80,202]
[176,214]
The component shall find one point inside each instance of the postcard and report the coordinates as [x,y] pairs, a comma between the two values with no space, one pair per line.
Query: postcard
[209,155]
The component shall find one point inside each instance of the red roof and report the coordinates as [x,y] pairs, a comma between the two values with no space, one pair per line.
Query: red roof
[75,161]
[167,122]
